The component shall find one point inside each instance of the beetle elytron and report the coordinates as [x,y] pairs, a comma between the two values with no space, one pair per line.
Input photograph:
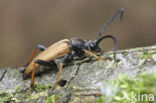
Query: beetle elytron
[68,49]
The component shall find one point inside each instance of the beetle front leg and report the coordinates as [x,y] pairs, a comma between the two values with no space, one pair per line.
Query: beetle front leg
[94,55]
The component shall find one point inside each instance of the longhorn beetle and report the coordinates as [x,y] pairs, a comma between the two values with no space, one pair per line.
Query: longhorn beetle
[68,49]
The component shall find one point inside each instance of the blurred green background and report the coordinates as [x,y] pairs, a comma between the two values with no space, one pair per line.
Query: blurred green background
[26,23]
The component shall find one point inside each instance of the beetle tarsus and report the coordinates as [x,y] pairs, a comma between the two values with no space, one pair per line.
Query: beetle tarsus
[62,83]
[24,76]
[23,69]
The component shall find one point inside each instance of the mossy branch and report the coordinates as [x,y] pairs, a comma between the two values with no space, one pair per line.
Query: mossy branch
[92,76]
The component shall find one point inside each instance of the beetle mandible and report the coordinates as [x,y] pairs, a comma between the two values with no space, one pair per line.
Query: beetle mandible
[68,49]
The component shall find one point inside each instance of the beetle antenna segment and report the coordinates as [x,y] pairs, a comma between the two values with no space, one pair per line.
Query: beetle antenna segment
[121,10]
[114,40]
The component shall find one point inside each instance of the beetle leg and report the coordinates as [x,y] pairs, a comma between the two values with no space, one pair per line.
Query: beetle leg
[94,55]
[32,76]
[77,70]
[58,77]
[29,61]
[45,63]
[62,83]
[67,59]
[40,62]
[41,47]
[32,80]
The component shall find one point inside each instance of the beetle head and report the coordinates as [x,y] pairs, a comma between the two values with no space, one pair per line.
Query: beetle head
[92,46]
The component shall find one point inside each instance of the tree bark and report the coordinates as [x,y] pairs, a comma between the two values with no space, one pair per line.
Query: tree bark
[92,73]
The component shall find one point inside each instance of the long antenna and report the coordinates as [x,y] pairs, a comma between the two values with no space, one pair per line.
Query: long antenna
[114,41]
[121,10]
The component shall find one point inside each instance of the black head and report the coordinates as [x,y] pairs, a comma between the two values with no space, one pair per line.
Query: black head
[94,45]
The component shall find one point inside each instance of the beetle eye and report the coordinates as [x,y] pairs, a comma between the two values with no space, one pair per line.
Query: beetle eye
[92,45]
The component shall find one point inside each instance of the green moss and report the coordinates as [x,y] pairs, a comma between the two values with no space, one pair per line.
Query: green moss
[121,87]
[101,99]
[38,90]
[145,55]
[41,87]
[52,98]
[5,96]
[19,96]
[132,89]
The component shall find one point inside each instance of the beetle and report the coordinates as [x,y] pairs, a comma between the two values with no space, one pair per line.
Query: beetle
[68,49]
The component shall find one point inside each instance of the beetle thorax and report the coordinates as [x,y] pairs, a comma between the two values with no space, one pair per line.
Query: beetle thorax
[77,44]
